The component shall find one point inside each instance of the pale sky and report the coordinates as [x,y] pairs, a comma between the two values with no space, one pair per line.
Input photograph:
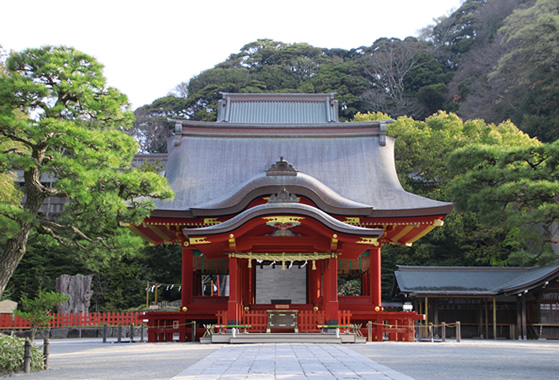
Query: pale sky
[148,47]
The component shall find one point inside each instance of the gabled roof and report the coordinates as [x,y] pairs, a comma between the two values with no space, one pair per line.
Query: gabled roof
[471,281]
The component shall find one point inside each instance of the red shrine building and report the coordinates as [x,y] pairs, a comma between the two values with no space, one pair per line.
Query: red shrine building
[276,203]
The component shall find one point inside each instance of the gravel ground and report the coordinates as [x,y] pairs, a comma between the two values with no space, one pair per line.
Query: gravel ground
[91,359]
[469,359]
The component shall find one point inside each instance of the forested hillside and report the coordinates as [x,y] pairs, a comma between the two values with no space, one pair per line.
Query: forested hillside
[474,98]
[491,59]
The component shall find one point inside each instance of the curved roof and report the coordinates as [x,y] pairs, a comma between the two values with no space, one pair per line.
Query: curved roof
[355,161]
[264,184]
[283,208]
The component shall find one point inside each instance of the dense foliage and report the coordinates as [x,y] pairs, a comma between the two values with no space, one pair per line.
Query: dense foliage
[462,94]
[437,158]
[490,59]
[62,129]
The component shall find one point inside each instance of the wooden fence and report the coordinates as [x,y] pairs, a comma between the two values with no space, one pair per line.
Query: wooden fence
[15,322]
[307,320]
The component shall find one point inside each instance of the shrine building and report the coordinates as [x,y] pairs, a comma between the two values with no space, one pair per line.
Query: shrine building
[275,203]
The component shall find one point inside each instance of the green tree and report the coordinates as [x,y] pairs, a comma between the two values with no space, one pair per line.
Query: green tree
[531,98]
[10,195]
[422,147]
[73,131]
[151,128]
[514,190]
[421,152]
[453,36]
[36,310]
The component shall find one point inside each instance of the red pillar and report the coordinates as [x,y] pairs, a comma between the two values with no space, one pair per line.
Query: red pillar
[245,274]
[375,277]
[375,290]
[233,312]
[313,284]
[331,292]
[186,290]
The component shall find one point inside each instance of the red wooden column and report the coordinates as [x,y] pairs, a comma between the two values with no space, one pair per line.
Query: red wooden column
[313,284]
[331,292]
[375,277]
[375,290]
[186,290]
[245,282]
[233,309]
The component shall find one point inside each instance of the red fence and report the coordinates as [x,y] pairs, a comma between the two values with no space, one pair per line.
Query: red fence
[15,322]
[307,320]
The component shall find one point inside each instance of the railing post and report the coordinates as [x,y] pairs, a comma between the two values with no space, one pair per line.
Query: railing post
[443,332]
[458,332]
[27,356]
[46,349]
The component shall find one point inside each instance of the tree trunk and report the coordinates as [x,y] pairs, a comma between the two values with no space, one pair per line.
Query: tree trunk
[16,246]
[78,288]
[12,255]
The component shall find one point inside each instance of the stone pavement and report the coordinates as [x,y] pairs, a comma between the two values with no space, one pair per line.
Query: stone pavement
[287,361]
[89,359]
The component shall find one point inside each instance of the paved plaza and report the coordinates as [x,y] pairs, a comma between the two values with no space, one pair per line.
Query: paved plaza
[288,361]
[470,359]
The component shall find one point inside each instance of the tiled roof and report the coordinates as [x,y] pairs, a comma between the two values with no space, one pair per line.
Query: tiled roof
[353,163]
[278,108]
[480,281]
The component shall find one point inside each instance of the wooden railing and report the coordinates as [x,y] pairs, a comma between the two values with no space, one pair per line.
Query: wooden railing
[15,322]
[307,320]
[257,319]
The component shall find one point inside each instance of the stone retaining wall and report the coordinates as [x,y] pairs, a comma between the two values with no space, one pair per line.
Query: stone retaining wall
[86,332]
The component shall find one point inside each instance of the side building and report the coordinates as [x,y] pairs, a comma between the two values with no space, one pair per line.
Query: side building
[489,302]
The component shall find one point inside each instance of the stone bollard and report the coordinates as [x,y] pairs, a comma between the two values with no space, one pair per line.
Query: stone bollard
[131,332]
[119,334]
[458,332]
[370,331]
[443,332]
[105,331]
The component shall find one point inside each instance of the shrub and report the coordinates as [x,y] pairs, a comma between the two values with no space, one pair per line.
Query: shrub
[11,355]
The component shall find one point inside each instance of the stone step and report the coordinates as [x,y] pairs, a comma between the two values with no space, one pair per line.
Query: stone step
[242,338]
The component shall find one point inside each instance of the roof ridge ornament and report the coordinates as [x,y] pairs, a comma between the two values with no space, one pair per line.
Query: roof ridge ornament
[283,196]
[282,167]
